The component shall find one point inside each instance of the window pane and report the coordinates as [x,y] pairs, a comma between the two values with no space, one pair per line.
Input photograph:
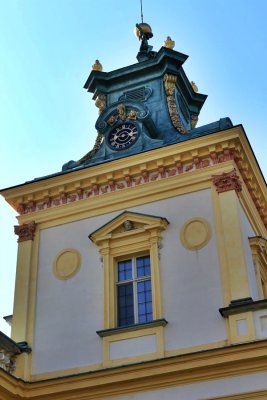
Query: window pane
[124,270]
[125,304]
[144,296]
[143,266]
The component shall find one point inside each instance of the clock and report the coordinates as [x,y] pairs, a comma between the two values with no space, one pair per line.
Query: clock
[123,136]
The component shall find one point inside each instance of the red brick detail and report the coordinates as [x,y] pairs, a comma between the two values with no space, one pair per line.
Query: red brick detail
[25,231]
[227,181]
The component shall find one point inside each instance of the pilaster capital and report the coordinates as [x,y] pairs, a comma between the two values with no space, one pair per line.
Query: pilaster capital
[227,181]
[25,231]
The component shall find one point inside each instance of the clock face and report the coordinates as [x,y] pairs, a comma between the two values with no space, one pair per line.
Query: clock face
[123,136]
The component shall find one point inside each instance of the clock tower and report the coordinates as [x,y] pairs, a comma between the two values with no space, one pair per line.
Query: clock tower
[142,266]
[143,106]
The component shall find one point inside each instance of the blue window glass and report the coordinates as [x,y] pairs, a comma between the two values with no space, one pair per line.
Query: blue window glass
[125,304]
[144,296]
[134,294]
[143,266]
[125,270]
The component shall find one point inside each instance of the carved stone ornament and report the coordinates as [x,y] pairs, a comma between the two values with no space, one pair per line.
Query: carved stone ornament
[90,153]
[121,111]
[193,119]
[101,102]
[194,86]
[227,181]
[97,66]
[128,225]
[169,83]
[122,114]
[7,361]
[169,43]
[25,231]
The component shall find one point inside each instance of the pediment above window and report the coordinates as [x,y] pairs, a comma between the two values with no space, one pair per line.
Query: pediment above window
[128,224]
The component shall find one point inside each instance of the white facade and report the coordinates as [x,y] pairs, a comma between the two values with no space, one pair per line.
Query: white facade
[69,312]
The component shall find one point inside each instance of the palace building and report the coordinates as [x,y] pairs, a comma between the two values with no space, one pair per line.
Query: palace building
[142,266]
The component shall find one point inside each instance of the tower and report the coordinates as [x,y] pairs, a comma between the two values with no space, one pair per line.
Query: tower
[142,266]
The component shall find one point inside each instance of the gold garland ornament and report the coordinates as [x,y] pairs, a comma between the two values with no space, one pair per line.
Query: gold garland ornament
[169,84]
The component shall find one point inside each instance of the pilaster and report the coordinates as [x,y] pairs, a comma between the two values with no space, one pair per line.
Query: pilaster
[228,186]
[25,234]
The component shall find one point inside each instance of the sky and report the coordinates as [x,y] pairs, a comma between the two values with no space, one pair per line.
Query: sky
[47,48]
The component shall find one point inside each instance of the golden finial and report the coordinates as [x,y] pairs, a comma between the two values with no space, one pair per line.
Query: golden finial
[194,86]
[169,43]
[97,66]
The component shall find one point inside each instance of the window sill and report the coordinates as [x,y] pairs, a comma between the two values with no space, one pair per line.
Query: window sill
[132,328]
[243,305]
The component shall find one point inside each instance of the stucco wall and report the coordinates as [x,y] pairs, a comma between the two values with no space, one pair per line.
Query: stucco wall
[69,312]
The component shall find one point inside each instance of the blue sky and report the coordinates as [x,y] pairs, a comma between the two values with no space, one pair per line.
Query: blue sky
[47,48]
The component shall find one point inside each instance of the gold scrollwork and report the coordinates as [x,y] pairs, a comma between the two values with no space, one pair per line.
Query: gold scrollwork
[90,153]
[132,114]
[101,102]
[169,84]
[122,114]
[121,111]
[193,119]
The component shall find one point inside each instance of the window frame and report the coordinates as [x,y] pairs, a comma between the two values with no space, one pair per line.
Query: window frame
[258,247]
[116,243]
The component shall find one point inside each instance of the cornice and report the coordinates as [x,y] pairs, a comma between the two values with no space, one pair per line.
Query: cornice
[183,369]
[181,159]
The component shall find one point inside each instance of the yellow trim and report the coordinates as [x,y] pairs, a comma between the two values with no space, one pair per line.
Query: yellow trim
[195,180]
[235,335]
[185,369]
[114,242]
[187,153]
[131,197]
[108,340]
[221,251]
[234,247]
[259,253]
[66,267]
[22,289]
[201,230]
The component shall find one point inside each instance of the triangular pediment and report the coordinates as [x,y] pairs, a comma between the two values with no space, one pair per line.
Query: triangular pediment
[128,223]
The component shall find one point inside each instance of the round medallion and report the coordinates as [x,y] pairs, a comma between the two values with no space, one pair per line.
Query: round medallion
[66,264]
[123,136]
[195,233]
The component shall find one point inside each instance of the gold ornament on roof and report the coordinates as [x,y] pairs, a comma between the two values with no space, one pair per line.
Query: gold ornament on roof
[194,86]
[101,102]
[143,29]
[169,84]
[169,43]
[97,66]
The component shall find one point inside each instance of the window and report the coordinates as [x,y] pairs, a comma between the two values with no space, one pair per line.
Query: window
[129,247]
[258,246]
[134,294]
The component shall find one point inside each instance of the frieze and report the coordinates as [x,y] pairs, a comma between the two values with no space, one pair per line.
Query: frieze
[129,181]
[25,231]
